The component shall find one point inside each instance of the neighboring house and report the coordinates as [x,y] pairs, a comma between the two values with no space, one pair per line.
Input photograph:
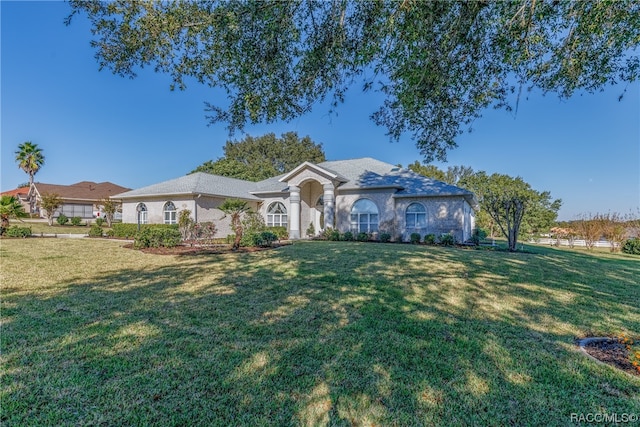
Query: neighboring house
[21,194]
[80,199]
[359,195]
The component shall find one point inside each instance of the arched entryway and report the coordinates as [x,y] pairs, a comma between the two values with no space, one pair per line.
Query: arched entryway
[307,184]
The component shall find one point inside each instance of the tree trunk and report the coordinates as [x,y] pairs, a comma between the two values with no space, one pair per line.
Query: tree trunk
[4,224]
[238,230]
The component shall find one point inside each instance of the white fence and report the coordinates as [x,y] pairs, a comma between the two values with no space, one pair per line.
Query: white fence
[564,242]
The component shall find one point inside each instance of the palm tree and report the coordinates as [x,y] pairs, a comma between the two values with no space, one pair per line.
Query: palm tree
[30,159]
[10,207]
[235,208]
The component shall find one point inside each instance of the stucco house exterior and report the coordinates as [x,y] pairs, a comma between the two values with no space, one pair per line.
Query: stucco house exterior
[359,195]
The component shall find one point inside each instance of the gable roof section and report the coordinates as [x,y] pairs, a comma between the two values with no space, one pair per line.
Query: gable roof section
[316,168]
[367,173]
[84,190]
[197,183]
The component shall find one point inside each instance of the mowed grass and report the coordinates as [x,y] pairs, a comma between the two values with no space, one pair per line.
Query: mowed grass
[40,226]
[316,333]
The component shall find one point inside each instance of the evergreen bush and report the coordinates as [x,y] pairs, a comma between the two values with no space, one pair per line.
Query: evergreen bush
[62,219]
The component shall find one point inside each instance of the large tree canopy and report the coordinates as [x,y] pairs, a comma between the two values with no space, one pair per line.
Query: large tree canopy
[438,63]
[506,203]
[255,159]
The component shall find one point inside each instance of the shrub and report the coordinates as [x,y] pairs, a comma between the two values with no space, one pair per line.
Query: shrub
[263,239]
[414,238]
[311,230]
[129,231]
[76,220]
[16,231]
[447,239]
[478,235]
[95,231]
[331,234]
[362,237]
[110,233]
[205,232]
[155,237]
[385,237]
[252,224]
[347,236]
[62,219]
[632,246]
[279,231]
[430,239]
[100,221]
[186,225]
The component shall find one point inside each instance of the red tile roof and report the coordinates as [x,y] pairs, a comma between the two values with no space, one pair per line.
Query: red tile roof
[18,192]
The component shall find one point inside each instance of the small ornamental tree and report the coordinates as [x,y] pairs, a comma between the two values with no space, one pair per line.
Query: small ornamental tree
[50,203]
[110,208]
[589,228]
[235,208]
[507,200]
[186,224]
[614,229]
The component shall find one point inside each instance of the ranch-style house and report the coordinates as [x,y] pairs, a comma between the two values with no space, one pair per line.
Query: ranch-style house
[358,195]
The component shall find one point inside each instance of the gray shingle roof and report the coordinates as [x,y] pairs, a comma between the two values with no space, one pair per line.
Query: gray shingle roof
[356,174]
[371,173]
[197,183]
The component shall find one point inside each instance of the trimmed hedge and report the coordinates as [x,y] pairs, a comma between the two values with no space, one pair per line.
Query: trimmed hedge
[16,231]
[129,231]
[155,237]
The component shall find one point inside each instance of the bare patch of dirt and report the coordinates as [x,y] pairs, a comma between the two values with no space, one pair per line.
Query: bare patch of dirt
[612,352]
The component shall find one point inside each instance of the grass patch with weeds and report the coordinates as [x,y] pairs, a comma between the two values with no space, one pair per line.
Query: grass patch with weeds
[310,334]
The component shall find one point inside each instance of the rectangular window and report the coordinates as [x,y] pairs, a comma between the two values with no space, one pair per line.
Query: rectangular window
[170,217]
[421,220]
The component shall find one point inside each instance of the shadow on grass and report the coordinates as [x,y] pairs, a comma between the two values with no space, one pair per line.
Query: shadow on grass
[324,333]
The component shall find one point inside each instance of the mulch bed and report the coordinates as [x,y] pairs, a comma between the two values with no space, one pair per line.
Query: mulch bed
[185,250]
[613,353]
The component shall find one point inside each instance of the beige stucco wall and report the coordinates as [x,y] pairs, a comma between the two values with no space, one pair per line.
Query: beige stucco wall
[155,208]
[203,209]
[345,200]
[444,215]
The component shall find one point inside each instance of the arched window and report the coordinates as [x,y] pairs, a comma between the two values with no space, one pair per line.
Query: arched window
[170,214]
[364,216]
[276,215]
[141,209]
[416,216]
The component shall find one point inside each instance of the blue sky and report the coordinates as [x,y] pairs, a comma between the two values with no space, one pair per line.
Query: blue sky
[95,126]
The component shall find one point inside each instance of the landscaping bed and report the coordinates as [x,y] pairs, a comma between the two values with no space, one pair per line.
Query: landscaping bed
[611,352]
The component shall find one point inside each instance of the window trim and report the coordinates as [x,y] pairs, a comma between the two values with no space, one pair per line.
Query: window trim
[271,216]
[363,220]
[416,223]
[173,213]
[142,213]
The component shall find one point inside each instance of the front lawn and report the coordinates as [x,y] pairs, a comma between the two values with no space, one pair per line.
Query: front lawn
[314,333]
[42,227]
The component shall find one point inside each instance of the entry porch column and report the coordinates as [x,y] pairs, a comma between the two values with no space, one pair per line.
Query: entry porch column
[329,205]
[294,212]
